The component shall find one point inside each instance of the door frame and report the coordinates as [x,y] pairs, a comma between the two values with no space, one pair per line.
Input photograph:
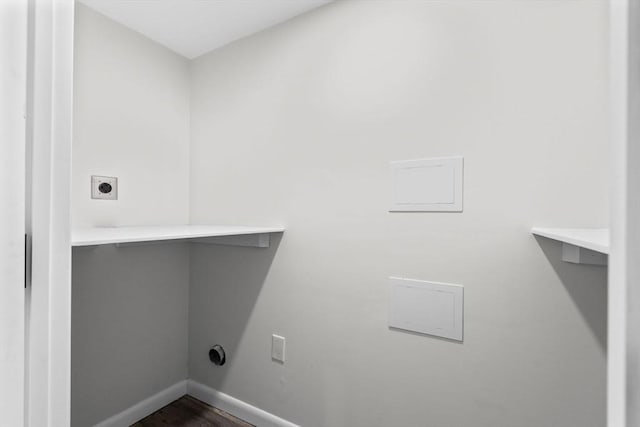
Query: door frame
[13,83]
[623,358]
[49,133]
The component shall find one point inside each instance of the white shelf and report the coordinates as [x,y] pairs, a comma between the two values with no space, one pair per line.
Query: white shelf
[221,234]
[579,245]
[595,239]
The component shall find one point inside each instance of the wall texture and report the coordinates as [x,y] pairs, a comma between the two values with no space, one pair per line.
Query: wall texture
[131,120]
[129,326]
[129,308]
[297,124]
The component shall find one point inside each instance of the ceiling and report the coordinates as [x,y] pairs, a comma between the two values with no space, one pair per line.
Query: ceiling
[194,27]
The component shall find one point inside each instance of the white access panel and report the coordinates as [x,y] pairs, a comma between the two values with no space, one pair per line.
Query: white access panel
[427,307]
[427,185]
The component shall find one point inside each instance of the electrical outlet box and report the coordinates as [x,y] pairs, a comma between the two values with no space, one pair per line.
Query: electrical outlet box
[277,348]
[104,187]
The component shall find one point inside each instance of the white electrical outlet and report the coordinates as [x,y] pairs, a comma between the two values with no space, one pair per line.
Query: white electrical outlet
[277,348]
[104,187]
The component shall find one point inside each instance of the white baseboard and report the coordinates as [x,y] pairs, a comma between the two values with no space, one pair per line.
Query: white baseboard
[146,407]
[235,407]
[213,397]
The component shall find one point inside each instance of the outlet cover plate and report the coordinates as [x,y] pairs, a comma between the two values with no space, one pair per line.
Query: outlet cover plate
[277,348]
[98,185]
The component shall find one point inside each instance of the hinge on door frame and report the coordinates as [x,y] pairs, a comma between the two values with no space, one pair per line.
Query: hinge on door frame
[27,259]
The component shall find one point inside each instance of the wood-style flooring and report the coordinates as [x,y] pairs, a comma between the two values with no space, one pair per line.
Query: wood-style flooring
[190,412]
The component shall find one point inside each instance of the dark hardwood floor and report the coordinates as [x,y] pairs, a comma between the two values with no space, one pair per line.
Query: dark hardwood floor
[190,412]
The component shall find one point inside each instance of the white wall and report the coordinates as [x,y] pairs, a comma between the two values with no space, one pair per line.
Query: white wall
[129,326]
[131,120]
[129,308]
[297,125]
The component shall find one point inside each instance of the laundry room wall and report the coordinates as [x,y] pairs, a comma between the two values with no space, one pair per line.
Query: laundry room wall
[129,308]
[297,125]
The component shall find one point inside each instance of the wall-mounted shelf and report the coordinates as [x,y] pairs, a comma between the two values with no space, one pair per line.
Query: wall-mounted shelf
[213,234]
[579,245]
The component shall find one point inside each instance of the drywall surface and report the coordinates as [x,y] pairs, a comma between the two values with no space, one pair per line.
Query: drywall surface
[297,125]
[131,120]
[129,320]
[129,326]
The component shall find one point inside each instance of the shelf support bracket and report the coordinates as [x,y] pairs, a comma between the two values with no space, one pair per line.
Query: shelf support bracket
[577,255]
[261,240]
